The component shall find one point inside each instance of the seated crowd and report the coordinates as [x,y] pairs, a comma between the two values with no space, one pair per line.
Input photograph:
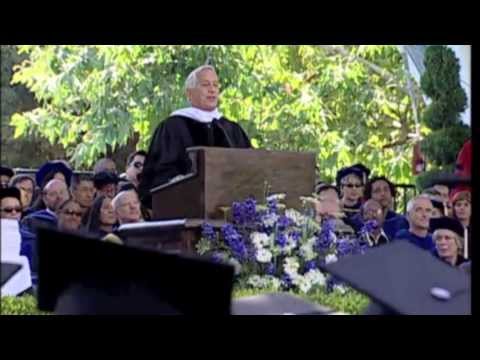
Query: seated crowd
[438,220]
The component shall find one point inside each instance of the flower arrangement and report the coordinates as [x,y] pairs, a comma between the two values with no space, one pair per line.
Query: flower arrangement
[277,248]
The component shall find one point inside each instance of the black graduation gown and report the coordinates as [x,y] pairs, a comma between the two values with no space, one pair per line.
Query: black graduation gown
[167,156]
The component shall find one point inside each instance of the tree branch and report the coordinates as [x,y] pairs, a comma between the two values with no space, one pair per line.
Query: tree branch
[385,74]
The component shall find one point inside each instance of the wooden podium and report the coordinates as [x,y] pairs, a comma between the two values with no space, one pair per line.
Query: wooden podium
[219,177]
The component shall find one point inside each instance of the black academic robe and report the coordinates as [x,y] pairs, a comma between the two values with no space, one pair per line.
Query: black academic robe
[167,156]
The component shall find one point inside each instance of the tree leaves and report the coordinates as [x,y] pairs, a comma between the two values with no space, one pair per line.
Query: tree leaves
[288,97]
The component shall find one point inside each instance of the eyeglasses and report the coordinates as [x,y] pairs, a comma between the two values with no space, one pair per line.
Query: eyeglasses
[353,185]
[75,213]
[138,165]
[9,210]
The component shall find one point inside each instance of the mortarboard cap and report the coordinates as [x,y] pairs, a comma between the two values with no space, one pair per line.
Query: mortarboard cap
[10,192]
[403,279]
[359,170]
[447,223]
[6,171]
[8,270]
[53,167]
[99,277]
[103,178]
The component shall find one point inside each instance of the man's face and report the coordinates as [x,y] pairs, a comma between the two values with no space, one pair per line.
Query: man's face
[70,217]
[26,192]
[205,95]
[128,208]
[381,193]
[443,190]
[372,210]
[420,214]
[352,188]
[84,193]
[55,194]
[4,179]
[10,208]
[135,168]
[445,243]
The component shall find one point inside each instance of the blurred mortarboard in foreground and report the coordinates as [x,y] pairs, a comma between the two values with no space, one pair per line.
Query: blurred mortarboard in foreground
[8,270]
[405,280]
[99,277]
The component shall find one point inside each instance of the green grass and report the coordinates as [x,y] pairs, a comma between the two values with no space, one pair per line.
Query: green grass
[351,302]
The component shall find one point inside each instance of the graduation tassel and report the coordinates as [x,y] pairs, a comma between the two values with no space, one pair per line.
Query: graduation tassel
[465,244]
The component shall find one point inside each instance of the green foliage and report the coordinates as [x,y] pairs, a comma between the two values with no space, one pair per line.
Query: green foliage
[351,302]
[443,145]
[441,82]
[23,305]
[298,98]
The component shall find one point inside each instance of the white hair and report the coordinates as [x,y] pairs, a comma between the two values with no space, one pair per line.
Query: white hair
[458,239]
[116,199]
[192,79]
[412,201]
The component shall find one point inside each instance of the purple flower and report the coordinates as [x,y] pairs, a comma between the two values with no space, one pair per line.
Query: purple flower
[216,257]
[283,222]
[270,270]
[272,206]
[296,235]
[344,247]
[281,240]
[310,265]
[208,232]
[286,282]
[235,242]
[368,227]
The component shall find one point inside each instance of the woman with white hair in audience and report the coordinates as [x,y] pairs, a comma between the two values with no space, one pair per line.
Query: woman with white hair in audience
[448,240]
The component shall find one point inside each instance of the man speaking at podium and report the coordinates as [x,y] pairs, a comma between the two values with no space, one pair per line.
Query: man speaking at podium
[199,125]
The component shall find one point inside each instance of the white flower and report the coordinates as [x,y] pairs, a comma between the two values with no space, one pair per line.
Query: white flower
[274,283]
[270,220]
[340,288]
[236,264]
[306,250]
[303,283]
[259,239]
[263,255]
[316,277]
[297,218]
[330,258]
[276,197]
[291,266]
[254,281]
